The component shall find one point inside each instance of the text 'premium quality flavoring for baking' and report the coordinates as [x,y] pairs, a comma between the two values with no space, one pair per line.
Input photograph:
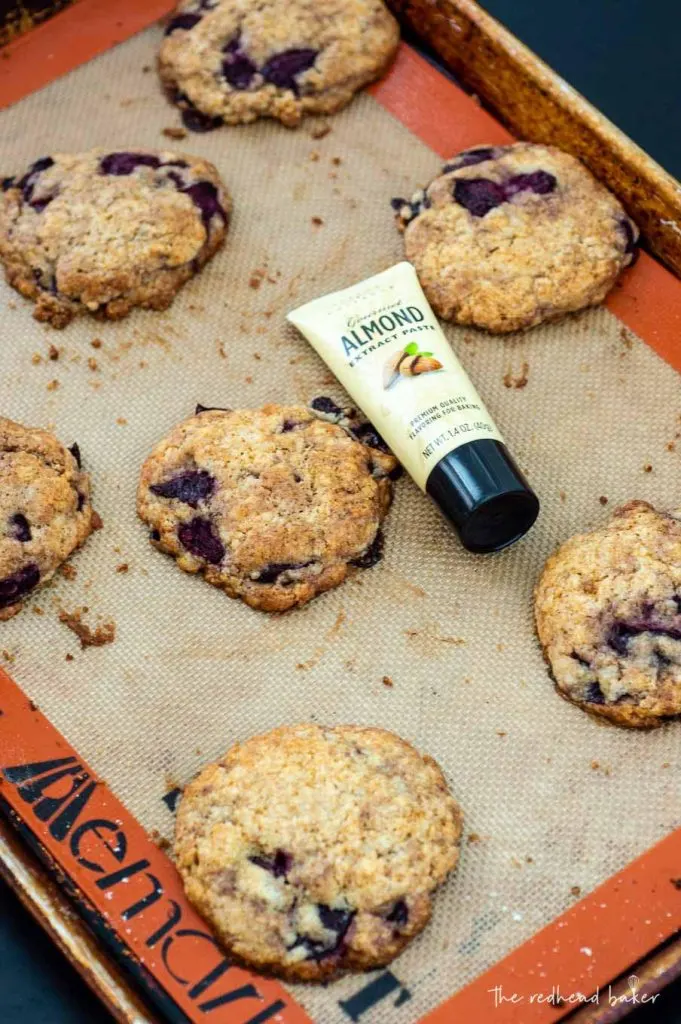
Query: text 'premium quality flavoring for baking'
[383,342]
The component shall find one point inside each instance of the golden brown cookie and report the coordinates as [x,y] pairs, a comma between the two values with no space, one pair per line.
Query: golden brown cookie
[313,850]
[509,236]
[234,61]
[274,505]
[104,231]
[608,612]
[45,510]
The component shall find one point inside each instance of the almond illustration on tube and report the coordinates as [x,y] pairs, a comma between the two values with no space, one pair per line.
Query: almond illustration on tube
[409,363]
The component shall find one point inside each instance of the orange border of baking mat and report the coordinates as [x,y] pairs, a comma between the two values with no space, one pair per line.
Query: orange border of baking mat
[593,942]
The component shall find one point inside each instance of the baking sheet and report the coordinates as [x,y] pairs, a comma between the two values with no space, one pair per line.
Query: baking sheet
[554,802]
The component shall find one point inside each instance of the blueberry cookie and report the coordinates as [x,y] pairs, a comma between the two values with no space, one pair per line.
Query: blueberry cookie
[509,236]
[274,505]
[312,851]
[608,612]
[104,231]
[45,510]
[234,61]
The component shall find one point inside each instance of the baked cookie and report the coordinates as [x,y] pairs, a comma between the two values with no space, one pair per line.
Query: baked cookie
[312,851]
[45,510]
[104,231]
[509,236]
[274,505]
[234,61]
[608,611]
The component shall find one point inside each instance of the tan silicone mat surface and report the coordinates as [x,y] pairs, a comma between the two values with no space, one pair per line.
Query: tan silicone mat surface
[555,801]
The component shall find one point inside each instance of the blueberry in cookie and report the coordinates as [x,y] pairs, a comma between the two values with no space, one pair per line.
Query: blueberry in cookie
[274,505]
[107,230]
[314,850]
[45,510]
[509,236]
[608,614]
[234,61]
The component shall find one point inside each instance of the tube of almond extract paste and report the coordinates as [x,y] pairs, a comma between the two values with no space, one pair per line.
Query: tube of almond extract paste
[384,344]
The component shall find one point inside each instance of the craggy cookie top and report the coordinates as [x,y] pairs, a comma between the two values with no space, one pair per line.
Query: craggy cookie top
[45,510]
[107,230]
[608,610]
[271,504]
[237,60]
[509,236]
[312,849]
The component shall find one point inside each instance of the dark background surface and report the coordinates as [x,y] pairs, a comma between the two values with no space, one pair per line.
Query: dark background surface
[625,56]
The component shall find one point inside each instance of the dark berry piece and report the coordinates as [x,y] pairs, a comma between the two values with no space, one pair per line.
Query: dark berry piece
[21,529]
[279,865]
[81,502]
[335,920]
[13,587]
[196,121]
[191,487]
[6,184]
[125,163]
[29,181]
[209,408]
[39,204]
[205,195]
[372,555]
[593,694]
[270,573]
[368,435]
[75,451]
[398,203]
[200,538]
[540,182]
[177,181]
[185,21]
[399,914]
[618,637]
[154,535]
[289,425]
[582,661]
[281,70]
[469,157]
[175,163]
[237,67]
[326,406]
[478,195]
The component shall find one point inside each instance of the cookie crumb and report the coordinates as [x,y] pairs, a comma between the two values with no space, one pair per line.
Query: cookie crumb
[68,657]
[146,68]
[317,221]
[671,446]
[97,522]
[387,681]
[647,468]
[93,364]
[53,353]
[123,567]
[121,421]
[174,133]
[221,350]
[562,495]
[256,355]
[320,131]
[68,571]
[517,381]
[626,338]
[96,342]
[53,385]
[98,637]
[9,658]
[255,280]
[336,161]
[248,380]
[500,732]
[603,500]
[666,764]
[36,358]
[595,765]
[575,891]
[473,837]
[314,156]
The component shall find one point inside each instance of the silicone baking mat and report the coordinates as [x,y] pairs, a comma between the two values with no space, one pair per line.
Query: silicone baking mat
[554,803]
